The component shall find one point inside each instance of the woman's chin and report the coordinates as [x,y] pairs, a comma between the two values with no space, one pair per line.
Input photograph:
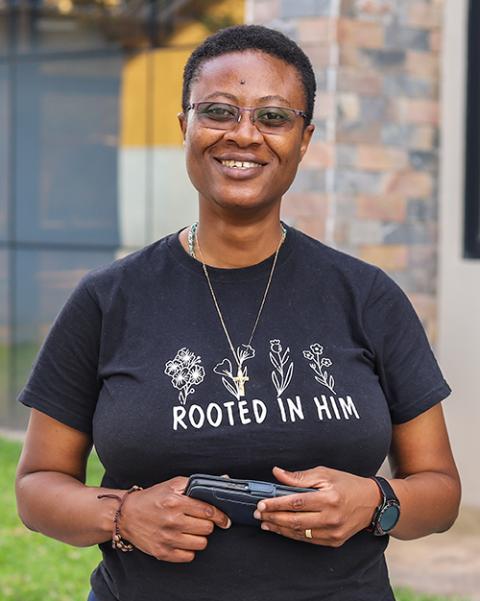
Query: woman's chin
[250,202]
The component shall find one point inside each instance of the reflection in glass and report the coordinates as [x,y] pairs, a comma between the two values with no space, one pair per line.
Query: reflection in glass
[4,337]
[59,25]
[98,160]
[3,28]
[66,151]
[174,198]
[4,140]
[133,151]
[73,25]
[44,280]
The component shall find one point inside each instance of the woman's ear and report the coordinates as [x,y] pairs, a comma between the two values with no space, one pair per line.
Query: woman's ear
[182,120]
[306,137]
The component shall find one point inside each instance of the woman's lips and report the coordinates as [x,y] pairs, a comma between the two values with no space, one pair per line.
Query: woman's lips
[239,169]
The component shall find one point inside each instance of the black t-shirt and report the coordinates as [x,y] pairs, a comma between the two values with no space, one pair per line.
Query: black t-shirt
[138,358]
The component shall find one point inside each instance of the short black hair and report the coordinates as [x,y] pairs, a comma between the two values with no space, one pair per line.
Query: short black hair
[251,37]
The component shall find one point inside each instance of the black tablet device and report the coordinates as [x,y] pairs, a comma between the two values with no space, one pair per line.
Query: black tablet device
[237,498]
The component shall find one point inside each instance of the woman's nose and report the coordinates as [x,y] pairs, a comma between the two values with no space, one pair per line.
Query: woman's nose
[244,131]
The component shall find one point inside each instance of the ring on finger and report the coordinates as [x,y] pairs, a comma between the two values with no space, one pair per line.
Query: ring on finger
[308,533]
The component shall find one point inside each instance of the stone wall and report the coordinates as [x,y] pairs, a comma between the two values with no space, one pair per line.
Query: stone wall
[368,185]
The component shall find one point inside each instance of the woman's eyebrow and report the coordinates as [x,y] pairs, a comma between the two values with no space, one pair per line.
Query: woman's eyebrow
[263,99]
[225,94]
[274,97]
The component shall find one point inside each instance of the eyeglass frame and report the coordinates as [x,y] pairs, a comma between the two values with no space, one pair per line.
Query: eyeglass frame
[242,109]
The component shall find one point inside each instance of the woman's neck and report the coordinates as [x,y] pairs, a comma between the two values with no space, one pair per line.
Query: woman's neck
[233,244]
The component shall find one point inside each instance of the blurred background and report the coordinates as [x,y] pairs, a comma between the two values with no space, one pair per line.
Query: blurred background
[91,168]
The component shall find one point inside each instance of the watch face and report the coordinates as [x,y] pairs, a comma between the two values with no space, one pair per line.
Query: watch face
[389,517]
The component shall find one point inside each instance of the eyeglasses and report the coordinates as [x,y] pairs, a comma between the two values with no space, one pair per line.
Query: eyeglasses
[267,119]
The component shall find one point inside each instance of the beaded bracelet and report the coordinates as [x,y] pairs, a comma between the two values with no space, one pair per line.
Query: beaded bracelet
[117,541]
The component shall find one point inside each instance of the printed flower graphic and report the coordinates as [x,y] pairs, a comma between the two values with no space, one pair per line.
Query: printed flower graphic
[185,370]
[245,352]
[321,375]
[224,368]
[281,378]
[235,382]
[275,346]
[185,356]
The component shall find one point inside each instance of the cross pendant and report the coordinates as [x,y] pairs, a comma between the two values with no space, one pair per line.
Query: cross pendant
[240,381]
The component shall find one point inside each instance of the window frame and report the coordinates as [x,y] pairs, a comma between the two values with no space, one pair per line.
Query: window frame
[471,223]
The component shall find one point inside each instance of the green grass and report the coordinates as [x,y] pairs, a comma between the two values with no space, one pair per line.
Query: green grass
[33,567]
[407,595]
[36,568]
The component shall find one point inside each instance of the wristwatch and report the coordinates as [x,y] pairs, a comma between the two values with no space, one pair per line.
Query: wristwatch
[387,514]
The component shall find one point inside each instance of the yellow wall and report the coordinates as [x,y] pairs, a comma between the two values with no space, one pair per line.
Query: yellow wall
[148,113]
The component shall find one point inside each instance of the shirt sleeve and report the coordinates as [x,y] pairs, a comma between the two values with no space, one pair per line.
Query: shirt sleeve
[64,381]
[408,371]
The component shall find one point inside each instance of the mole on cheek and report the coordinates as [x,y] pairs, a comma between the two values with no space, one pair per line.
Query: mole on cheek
[242,82]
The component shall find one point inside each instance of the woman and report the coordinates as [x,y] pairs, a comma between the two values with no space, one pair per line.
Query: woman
[234,347]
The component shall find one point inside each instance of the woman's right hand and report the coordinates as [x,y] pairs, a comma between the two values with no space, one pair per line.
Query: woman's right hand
[168,525]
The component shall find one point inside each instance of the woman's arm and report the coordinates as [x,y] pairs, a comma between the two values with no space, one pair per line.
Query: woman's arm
[425,477]
[51,495]
[425,480]
[53,499]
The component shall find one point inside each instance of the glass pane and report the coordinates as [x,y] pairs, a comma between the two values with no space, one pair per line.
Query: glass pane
[57,25]
[44,280]
[4,337]
[174,198]
[70,130]
[3,27]
[4,138]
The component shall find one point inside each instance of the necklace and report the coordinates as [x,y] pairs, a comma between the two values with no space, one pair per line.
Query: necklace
[241,377]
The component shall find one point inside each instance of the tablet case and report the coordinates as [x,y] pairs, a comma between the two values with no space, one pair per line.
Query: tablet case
[237,498]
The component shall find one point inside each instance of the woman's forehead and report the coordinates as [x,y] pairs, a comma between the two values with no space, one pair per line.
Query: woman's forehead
[248,74]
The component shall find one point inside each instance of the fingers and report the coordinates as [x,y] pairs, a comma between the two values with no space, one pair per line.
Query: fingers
[196,526]
[294,521]
[190,542]
[305,501]
[179,556]
[316,477]
[198,509]
[178,484]
[176,503]
[322,537]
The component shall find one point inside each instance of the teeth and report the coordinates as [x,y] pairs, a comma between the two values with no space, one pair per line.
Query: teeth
[240,164]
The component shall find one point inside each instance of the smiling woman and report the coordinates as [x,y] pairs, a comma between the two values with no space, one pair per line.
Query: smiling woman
[245,155]
[230,347]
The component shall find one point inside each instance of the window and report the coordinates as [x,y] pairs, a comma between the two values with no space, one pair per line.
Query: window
[472,162]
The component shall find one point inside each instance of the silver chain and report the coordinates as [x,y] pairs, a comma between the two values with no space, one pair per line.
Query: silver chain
[192,238]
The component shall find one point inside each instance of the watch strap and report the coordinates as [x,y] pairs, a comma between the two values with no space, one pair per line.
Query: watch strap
[388,495]
[385,488]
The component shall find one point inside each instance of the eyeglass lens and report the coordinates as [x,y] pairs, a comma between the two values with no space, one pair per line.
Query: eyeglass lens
[268,119]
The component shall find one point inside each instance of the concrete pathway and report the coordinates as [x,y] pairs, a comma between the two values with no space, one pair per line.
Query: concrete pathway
[444,564]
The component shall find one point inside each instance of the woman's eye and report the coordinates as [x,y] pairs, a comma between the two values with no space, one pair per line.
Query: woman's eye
[218,112]
[273,117]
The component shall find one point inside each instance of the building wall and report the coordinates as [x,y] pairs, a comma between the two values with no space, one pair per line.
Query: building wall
[91,157]
[368,184]
[459,290]
[373,184]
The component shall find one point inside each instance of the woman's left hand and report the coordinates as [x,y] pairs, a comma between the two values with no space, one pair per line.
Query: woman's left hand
[343,505]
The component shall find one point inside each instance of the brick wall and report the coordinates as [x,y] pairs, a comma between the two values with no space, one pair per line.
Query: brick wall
[369,182]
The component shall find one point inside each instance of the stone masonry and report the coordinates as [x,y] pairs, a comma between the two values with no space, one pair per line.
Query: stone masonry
[368,184]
